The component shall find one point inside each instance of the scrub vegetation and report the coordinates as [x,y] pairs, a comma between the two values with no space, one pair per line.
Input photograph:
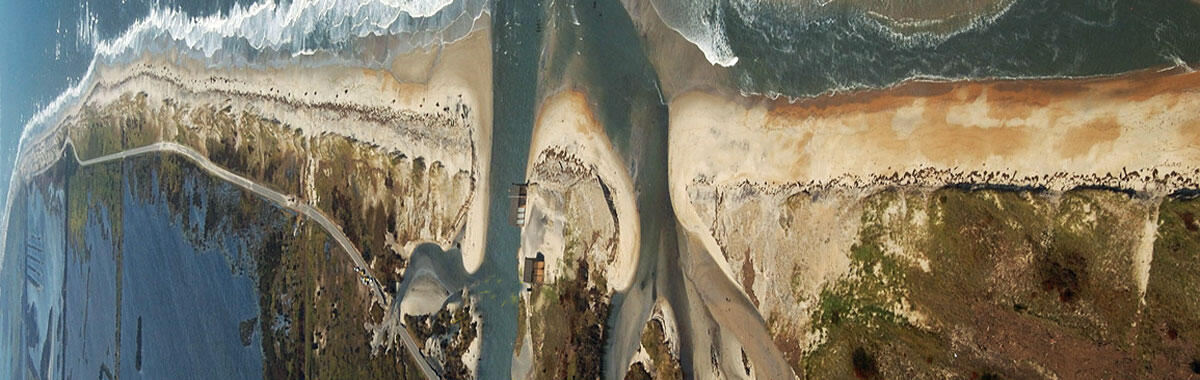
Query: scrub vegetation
[452,331]
[987,283]
[663,364]
[382,199]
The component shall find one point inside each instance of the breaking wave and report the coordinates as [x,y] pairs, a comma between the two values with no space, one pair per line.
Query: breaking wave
[701,22]
[269,34]
[804,48]
[704,22]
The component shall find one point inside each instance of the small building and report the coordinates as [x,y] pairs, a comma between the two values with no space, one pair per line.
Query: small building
[517,204]
[535,270]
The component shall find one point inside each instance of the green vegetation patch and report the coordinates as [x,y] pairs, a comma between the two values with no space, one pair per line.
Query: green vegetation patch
[1169,336]
[665,364]
[985,282]
[568,327]
[95,193]
[452,331]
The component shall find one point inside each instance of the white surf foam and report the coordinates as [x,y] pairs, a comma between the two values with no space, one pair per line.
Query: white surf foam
[701,23]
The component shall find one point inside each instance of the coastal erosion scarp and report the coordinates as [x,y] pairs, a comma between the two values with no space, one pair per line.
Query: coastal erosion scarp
[1137,131]
[566,128]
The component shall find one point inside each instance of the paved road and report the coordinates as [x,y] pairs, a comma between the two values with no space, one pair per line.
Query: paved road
[283,200]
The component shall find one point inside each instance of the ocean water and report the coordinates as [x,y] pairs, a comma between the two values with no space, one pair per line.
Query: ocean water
[90,321]
[56,46]
[30,303]
[802,50]
[189,299]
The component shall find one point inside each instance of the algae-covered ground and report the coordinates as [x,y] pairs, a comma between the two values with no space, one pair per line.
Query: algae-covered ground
[576,230]
[662,363]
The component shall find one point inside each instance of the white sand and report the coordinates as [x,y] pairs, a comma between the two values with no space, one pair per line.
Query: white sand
[1145,253]
[566,122]
[425,295]
[1058,134]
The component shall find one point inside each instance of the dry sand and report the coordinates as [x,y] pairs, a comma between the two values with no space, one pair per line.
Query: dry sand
[1138,131]
[566,122]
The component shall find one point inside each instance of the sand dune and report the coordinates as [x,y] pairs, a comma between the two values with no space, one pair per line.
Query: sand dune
[567,124]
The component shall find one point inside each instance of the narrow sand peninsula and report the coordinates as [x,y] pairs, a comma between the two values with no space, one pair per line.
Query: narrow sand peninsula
[1139,131]
[566,124]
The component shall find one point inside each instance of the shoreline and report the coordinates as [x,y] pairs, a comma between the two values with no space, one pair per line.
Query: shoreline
[1009,133]
[1133,132]
[565,121]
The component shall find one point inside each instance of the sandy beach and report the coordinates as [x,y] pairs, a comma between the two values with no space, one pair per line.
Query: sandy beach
[1137,131]
[566,124]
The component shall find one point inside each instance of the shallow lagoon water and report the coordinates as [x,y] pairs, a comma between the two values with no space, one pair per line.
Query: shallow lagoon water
[190,299]
[189,294]
[31,302]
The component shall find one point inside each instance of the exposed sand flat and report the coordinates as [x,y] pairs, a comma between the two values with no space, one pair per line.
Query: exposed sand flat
[325,100]
[1139,131]
[566,123]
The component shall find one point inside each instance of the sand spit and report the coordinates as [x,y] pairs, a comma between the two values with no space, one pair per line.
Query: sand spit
[566,131]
